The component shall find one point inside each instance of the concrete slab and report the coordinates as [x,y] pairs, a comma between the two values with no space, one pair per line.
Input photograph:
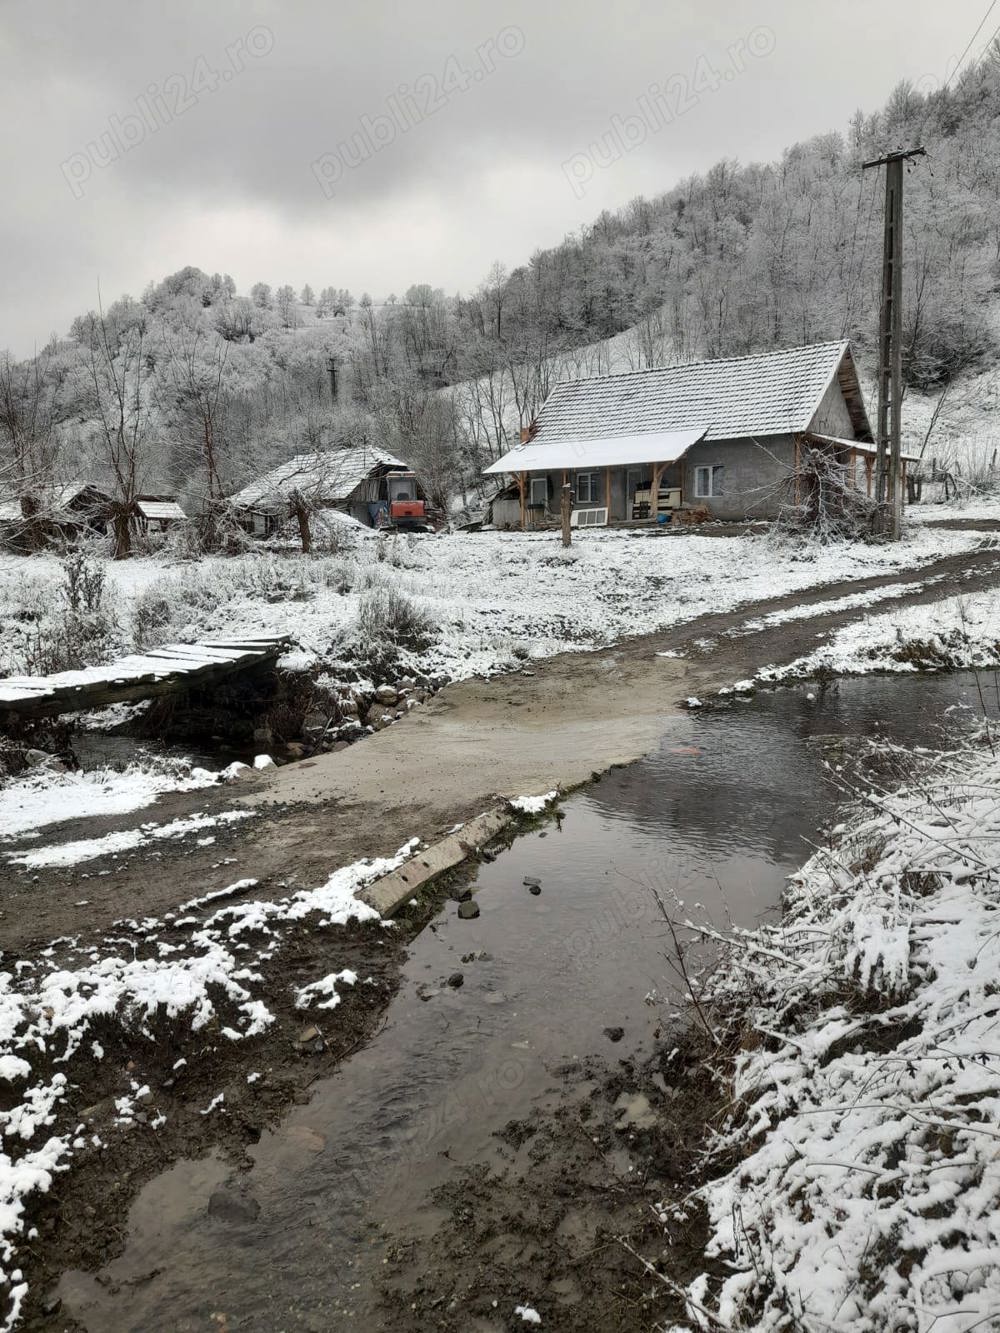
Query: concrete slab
[388,894]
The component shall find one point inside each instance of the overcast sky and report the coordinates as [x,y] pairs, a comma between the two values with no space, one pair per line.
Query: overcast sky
[370,145]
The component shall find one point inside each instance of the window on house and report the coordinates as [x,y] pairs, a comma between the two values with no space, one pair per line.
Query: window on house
[538,491]
[708,481]
[586,488]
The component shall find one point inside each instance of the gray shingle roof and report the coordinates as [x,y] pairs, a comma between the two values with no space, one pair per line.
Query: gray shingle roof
[774,393]
[330,475]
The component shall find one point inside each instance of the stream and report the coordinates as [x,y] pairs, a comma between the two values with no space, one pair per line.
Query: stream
[714,820]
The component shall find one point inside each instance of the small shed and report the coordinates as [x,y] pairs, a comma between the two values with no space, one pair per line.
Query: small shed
[157,513]
[723,436]
[351,479]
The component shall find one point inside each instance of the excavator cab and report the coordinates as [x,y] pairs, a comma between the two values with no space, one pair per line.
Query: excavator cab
[405,509]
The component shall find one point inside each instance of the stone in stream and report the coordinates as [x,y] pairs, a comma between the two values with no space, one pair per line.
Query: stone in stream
[455,980]
[614,1034]
[229,1206]
[468,910]
[385,694]
[461,895]
[531,882]
[310,1039]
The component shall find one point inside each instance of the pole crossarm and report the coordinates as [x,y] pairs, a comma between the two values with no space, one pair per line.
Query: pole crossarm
[900,155]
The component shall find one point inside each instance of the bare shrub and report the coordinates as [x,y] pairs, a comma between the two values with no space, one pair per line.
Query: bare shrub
[822,504]
[79,626]
[387,616]
[151,617]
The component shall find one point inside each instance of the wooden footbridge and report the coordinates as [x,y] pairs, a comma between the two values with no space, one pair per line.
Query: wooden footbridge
[166,670]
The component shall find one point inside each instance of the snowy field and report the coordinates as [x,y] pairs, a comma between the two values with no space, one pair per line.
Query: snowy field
[492,598]
[867,1093]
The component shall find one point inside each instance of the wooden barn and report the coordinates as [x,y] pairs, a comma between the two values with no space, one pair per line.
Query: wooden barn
[354,480]
[721,437]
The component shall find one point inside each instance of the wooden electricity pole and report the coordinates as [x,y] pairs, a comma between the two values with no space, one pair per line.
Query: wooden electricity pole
[888,470]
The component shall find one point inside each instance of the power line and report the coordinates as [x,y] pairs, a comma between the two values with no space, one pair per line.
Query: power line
[968,48]
[996,34]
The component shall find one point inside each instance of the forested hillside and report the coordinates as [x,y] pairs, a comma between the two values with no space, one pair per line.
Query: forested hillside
[193,387]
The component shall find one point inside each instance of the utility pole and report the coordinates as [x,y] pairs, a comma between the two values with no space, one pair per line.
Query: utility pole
[565,510]
[888,472]
[331,366]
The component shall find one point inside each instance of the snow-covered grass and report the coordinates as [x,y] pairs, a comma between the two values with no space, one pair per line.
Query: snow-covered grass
[956,632]
[494,598]
[865,1119]
[49,1009]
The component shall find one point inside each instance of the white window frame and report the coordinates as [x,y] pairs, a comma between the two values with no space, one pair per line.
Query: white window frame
[708,481]
[592,481]
[542,481]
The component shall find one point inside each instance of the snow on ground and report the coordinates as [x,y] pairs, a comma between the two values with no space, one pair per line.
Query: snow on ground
[956,632]
[866,1190]
[494,597]
[111,844]
[47,1011]
[850,602]
[45,797]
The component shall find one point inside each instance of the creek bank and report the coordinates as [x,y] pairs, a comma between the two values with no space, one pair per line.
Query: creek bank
[195,1090]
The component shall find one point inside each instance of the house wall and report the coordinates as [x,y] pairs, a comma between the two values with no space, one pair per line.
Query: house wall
[752,479]
[832,416]
[619,510]
[507,512]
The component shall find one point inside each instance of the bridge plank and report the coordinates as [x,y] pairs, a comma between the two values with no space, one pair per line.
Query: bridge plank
[140,675]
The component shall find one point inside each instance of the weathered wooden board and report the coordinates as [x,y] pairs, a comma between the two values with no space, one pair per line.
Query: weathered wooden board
[174,666]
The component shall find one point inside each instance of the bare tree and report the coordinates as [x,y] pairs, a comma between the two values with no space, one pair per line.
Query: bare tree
[30,411]
[118,370]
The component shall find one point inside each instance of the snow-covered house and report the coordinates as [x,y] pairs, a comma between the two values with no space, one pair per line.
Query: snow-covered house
[723,435]
[53,511]
[351,479]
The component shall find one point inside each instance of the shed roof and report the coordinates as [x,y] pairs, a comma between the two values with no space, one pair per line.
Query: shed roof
[329,475]
[774,393]
[54,499]
[160,509]
[657,446]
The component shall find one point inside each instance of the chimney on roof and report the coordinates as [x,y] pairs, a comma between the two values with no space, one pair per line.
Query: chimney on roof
[528,432]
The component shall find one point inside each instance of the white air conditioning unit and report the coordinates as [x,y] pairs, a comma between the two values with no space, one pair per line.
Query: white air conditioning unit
[588,518]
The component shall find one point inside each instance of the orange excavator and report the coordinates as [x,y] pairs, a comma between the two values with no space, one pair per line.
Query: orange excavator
[407,512]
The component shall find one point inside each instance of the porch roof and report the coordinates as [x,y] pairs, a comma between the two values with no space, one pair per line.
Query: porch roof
[661,446]
[861,447]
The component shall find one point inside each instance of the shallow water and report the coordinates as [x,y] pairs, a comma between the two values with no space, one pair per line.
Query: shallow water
[714,821]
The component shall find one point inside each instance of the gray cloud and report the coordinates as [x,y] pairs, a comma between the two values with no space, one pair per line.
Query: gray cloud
[211,120]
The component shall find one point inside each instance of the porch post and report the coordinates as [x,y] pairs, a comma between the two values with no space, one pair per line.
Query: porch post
[654,491]
[521,484]
[868,475]
[607,492]
[795,493]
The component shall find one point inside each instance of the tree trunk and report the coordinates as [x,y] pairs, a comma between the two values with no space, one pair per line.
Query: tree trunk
[301,511]
[123,532]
